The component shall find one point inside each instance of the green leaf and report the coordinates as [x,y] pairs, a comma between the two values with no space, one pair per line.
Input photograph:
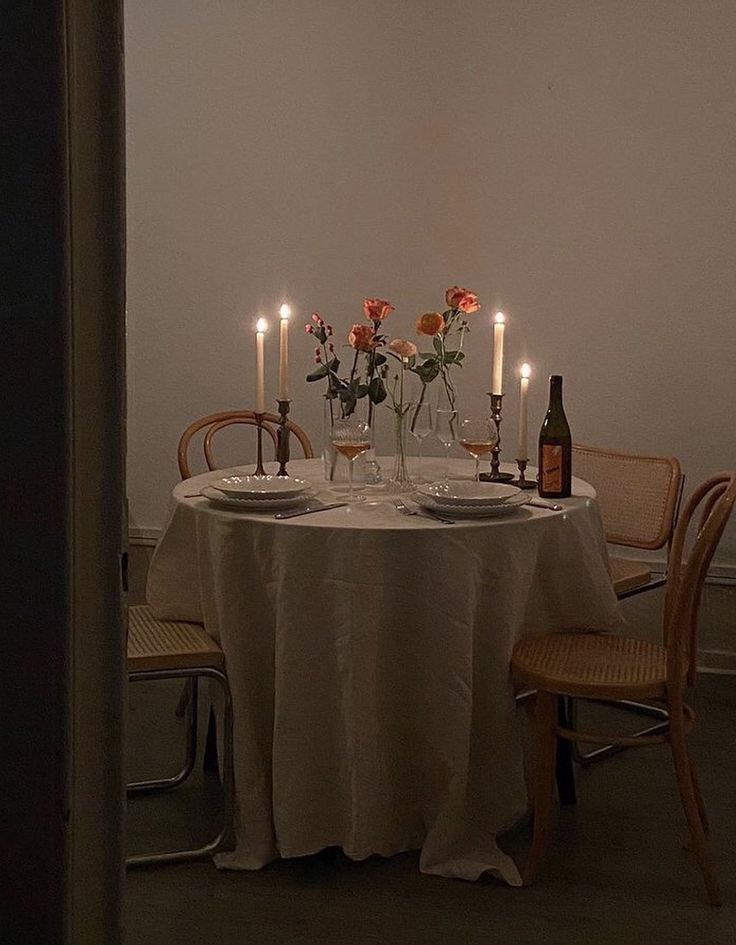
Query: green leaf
[379,359]
[362,390]
[427,371]
[437,342]
[454,357]
[318,373]
[377,390]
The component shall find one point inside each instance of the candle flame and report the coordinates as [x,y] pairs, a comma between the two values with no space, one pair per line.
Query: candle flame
[284,311]
[526,370]
[261,324]
[499,318]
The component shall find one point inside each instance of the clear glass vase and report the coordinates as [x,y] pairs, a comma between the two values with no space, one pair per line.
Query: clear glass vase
[401,480]
[373,475]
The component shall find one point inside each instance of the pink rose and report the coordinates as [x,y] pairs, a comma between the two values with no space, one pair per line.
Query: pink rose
[403,349]
[464,299]
[377,309]
[431,323]
[362,338]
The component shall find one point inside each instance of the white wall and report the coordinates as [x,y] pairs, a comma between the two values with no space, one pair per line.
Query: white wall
[572,162]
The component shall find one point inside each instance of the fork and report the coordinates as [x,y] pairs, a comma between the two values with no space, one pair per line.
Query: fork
[423,513]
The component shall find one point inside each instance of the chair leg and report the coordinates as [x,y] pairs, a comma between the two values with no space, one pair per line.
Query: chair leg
[546,726]
[605,751]
[564,768]
[693,807]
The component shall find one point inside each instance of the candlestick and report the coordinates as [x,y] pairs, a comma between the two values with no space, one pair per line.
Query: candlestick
[495,475]
[499,323]
[261,326]
[284,313]
[282,437]
[522,448]
[522,482]
[260,471]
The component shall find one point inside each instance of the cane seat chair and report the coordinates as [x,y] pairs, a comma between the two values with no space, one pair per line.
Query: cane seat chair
[215,422]
[605,667]
[165,649]
[638,497]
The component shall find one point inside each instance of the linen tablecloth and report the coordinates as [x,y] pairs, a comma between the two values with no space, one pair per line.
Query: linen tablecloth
[368,655]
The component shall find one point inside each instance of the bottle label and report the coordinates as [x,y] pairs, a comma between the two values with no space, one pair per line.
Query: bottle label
[551,468]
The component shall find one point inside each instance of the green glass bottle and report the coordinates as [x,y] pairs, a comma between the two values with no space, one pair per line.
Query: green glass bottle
[555,447]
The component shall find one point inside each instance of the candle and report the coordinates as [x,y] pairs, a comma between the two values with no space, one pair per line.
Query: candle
[284,313]
[261,326]
[523,444]
[499,323]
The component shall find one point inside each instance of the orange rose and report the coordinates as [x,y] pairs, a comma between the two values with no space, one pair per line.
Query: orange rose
[431,323]
[362,338]
[377,309]
[464,299]
[404,349]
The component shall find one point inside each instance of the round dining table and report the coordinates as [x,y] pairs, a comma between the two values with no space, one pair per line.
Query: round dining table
[368,655]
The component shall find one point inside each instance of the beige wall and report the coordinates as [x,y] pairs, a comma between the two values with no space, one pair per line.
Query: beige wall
[573,162]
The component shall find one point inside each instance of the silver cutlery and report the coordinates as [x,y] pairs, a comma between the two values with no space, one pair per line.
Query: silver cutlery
[545,505]
[423,513]
[309,510]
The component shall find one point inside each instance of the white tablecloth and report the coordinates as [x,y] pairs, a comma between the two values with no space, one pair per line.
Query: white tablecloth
[368,655]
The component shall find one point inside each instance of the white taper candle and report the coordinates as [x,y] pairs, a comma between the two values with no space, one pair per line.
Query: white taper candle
[284,313]
[499,323]
[261,326]
[522,451]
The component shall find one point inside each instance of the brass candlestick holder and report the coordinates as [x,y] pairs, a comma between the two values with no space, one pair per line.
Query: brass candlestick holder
[495,475]
[282,437]
[522,482]
[260,471]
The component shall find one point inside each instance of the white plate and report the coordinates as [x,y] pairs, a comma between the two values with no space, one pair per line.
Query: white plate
[261,487]
[278,504]
[462,493]
[472,511]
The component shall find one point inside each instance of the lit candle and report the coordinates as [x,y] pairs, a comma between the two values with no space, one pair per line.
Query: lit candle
[284,313]
[523,444]
[499,323]
[261,326]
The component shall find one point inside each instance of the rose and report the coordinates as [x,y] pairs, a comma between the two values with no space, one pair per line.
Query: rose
[431,323]
[377,309]
[402,349]
[362,338]
[463,299]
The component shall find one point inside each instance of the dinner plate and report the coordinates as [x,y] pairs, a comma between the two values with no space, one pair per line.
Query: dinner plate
[512,504]
[246,504]
[463,493]
[261,487]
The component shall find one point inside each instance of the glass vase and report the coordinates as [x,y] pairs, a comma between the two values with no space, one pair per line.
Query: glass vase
[400,480]
[373,475]
[336,466]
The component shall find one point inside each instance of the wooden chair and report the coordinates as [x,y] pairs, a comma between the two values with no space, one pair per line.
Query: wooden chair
[163,649]
[606,667]
[218,421]
[639,499]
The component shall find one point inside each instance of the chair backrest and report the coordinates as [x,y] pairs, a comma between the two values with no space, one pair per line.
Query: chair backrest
[638,496]
[715,499]
[217,421]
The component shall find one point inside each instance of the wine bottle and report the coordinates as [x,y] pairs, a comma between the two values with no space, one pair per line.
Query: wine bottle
[555,447]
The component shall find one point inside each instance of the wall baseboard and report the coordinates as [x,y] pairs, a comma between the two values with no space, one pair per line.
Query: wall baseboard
[722,662]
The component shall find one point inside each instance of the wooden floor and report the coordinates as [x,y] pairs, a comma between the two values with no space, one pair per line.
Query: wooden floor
[617,872]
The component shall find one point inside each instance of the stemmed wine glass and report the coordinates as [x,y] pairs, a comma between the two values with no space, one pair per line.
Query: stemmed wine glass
[421,427]
[478,436]
[351,437]
[446,430]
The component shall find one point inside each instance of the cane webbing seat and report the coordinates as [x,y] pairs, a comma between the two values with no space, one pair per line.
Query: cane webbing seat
[627,574]
[607,667]
[215,422]
[166,644]
[598,665]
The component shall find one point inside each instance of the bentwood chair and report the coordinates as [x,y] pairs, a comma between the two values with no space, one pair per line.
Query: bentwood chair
[639,499]
[599,666]
[164,649]
[215,422]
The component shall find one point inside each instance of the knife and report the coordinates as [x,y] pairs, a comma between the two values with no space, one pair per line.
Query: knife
[309,510]
[545,505]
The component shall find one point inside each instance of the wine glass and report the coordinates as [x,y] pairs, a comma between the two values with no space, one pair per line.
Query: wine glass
[478,436]
[446,430]
[351,437]
[421,426]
